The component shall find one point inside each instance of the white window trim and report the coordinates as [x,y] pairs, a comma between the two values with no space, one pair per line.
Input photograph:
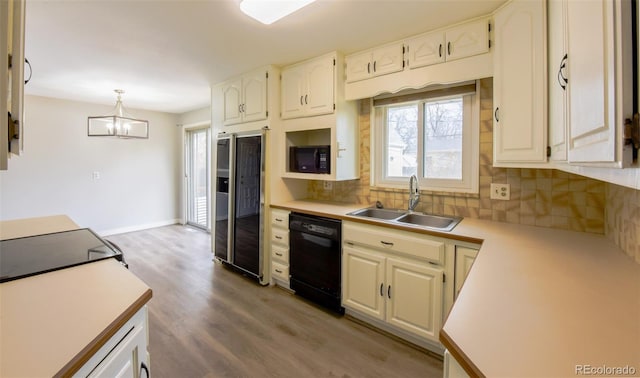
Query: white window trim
[470,148]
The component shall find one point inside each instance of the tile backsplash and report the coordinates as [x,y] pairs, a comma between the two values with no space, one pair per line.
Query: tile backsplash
[540,197]
[623,219]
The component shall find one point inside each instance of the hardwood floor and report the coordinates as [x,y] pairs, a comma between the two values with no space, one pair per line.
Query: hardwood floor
[207,321]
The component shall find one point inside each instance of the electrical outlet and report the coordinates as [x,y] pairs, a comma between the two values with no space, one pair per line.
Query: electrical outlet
[328,185]
[500,191]
[96,175]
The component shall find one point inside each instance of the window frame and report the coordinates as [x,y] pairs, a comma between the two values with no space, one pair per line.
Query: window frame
[470,148]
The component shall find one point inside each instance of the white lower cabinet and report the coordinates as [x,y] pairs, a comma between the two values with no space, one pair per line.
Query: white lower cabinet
[464,259]
[384,277]
[452,368]
[280,247]
[414,297]
[124,354]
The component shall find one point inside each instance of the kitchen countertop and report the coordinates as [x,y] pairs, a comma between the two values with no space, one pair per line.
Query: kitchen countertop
[537,301]
[52,323]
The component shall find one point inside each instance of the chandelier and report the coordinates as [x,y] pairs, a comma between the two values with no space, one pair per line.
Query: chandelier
[119,125]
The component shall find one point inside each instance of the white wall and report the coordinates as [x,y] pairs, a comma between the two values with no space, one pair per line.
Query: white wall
[139,178]
[196,117]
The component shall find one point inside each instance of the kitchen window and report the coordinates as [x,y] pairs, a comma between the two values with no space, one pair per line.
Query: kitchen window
[434,135]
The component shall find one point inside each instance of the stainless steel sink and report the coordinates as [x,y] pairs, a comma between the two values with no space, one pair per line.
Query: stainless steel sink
[430,221]
[422,220]
[385,214]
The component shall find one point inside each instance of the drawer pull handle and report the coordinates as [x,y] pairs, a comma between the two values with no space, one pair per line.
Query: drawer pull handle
[278,220]
[278,237]
[278,254]
[278,271]
[386,243]
[381,288]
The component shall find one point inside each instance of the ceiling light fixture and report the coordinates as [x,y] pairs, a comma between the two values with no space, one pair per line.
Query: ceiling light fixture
[119,125]
[270,11]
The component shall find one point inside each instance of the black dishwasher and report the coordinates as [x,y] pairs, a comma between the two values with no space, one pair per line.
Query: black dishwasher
[315,259]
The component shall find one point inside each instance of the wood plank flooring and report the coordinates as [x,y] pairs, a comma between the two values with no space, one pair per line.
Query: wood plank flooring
[207,321]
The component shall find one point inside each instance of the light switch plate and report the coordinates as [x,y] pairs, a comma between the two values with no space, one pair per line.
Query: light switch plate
[500,191]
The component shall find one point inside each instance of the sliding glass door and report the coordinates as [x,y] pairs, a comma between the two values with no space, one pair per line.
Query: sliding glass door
[197,152]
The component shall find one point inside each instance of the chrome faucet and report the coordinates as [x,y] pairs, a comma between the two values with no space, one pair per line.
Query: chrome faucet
[414,192]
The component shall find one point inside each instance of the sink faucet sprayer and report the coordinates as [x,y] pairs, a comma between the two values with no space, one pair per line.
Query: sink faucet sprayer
[414,192]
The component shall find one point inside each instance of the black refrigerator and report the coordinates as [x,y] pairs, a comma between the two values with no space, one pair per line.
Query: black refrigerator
[239,202]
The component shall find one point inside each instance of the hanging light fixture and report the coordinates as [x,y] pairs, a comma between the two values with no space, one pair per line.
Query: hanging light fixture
[119,125]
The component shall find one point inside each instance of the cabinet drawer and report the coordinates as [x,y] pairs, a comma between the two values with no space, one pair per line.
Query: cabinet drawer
[280,254]
[280,271]
[398,241]
[280,218]
[280,236]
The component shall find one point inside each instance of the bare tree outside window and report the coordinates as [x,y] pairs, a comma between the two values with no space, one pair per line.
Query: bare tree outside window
[443,122]
[402,140]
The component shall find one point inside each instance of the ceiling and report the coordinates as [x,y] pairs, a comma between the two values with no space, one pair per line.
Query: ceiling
[166,54]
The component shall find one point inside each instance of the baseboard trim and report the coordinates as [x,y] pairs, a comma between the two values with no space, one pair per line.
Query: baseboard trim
[139,227]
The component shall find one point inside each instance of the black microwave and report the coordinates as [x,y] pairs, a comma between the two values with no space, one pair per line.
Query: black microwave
[310,159]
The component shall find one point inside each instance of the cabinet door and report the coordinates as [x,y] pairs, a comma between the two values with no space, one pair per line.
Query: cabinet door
[124,360]
[557,79]
[4,67]
[591,81]
[388,59]
[232,97]
[464,259]
[359,66]
[292,91]
[363,287]
[467,40]
[520,83]
[426,50]
[414,297]
[320,85]
[254,91]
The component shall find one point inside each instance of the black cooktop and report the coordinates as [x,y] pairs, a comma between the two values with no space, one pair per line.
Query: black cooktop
[28,256]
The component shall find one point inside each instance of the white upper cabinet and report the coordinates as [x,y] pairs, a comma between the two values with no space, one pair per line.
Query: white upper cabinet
[426,50]
[591,75]
[557,79]
[379,61]
[245,98]
[455,43]
[12,24]
[590,85]
[467,40]
[307,89]
[519,93]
